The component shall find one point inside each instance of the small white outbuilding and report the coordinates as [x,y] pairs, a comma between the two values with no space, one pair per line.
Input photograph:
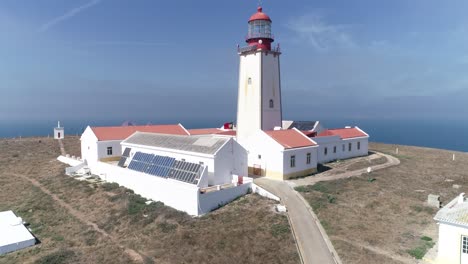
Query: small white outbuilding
[59,132]
[13,234]
[453,232]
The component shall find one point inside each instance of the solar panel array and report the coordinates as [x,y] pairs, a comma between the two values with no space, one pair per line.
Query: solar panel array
[165,167]
[124,157]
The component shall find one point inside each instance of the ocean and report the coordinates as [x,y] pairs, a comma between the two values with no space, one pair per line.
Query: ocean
[450,135]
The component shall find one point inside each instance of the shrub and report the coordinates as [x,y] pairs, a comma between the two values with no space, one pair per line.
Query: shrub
[166,227]
[58,257]
[110,186]
[279,230]
[136,204]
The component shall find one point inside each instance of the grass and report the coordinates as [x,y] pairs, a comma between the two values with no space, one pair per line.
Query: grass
[390,213]
[425,244]
[246,230]
[60,256]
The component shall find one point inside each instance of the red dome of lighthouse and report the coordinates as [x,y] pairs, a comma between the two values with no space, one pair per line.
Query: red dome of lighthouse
[259,15]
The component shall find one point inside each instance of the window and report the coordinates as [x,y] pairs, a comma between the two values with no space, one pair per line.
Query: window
[293,161]
[272,104]
[343,147]
[249,81]
[359,145]
[109,151]
[325,151]
[464,244]
[334,149]
[259,156]
[349,147]
[308,158]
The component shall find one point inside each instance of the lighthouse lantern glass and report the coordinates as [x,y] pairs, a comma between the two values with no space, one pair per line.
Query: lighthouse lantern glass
[260,29]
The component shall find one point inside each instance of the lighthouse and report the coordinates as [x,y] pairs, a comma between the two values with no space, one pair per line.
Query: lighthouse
[259,95]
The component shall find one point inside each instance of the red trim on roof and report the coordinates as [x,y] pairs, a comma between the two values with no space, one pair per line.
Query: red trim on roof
[123,132]
[344,133]
[290,138]
[259,15]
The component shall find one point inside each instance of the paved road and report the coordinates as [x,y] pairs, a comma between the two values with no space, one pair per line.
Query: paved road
[311,242]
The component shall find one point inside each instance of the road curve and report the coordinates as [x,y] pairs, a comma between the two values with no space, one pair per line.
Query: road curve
[313,243]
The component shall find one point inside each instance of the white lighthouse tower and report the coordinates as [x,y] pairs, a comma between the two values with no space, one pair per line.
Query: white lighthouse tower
[259,98]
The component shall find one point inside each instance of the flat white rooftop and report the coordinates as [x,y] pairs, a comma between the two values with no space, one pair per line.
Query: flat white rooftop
[13,234]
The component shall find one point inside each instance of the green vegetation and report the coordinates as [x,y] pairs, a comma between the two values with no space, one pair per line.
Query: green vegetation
[61,256]
[421,250]
[421,208]
[108,186]
[278,230]
[136,204]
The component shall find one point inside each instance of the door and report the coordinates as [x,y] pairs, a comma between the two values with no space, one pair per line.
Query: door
[257,171]
[58,134]
[464,250]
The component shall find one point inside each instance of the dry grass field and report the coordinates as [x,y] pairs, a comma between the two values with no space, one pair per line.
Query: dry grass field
[383,217]
[79,222]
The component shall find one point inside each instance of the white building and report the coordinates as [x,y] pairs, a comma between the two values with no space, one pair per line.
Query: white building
[103,143]
[343,143]
[59,132]
[259,109]
[453,232]
[13,234]
[222,156]
[194,174]
[281,154]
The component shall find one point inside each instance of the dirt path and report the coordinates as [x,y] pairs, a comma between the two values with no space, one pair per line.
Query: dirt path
[331,175]
[62,148]
[133,254]
[379,251]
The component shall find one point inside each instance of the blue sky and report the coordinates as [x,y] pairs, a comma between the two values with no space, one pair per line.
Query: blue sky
[170,61]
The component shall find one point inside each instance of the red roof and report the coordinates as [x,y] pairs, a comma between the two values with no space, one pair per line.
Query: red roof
[290,138]
[344,133]
[259,15]
[123,132]
[210,131]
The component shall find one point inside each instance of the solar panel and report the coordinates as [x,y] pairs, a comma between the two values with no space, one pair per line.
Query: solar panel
[126,152]
[122,161]
[162,166]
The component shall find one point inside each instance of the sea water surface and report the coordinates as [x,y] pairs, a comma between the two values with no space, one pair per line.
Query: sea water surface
[451,135]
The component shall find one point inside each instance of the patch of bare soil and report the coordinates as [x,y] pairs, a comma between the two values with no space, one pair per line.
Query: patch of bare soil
[81,222]
[373,217]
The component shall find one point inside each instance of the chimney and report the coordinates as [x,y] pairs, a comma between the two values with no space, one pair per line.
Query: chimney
[461,198]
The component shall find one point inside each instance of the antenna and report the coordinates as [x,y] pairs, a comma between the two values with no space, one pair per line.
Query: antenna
[259,2]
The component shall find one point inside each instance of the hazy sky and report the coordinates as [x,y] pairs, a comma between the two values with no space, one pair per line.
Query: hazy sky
[177,60]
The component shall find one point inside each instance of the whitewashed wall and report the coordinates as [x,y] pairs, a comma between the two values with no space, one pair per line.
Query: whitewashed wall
[271,90]
[329,143]
[59,133]
[342,148]
[102,149]
[89,147]
[449,250]
[213,200]
[179,195]
[271,152]
[248,100]
[228,161]
[301,159]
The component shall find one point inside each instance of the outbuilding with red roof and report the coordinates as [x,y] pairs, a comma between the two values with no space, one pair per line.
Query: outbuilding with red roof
[103,143]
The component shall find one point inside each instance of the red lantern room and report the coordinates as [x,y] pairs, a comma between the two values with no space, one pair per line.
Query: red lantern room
[260,30]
